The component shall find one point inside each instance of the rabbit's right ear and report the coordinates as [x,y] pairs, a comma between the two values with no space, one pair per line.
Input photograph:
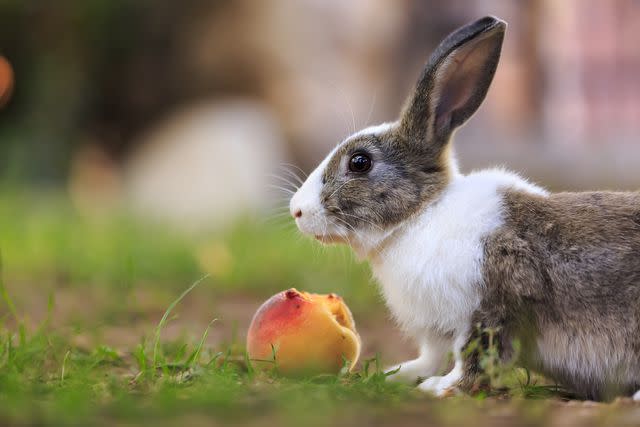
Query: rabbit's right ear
[454,82]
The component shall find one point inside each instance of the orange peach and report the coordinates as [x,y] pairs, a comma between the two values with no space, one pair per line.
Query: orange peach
[308,333]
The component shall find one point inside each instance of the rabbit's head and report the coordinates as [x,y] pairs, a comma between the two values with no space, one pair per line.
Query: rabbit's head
[377,178]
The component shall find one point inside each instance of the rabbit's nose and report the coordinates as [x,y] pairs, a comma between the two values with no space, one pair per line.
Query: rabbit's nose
[297,213]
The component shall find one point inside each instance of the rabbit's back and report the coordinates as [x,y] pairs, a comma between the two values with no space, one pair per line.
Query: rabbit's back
[586,244]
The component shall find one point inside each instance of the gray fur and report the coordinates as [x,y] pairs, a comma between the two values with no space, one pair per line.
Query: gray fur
[562,276]
[401,179]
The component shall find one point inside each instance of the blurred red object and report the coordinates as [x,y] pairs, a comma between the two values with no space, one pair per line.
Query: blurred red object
[6,81]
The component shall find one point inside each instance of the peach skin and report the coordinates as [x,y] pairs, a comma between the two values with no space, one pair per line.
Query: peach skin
[310,333]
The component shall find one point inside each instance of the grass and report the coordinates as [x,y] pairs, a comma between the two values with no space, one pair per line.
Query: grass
[68,281]
[44,239]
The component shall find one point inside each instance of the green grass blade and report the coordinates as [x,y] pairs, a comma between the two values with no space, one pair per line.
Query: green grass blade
[5,295]
[195,356]
[64,366]
[163,321]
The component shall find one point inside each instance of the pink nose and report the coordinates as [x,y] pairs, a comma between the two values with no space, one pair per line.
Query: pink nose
[297,213]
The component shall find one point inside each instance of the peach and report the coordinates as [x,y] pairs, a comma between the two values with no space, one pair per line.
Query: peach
[310,334]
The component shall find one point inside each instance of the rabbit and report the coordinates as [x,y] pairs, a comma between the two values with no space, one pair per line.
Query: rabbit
[457,255]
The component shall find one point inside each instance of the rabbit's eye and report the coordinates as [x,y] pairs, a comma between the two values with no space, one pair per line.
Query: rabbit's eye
[359,163]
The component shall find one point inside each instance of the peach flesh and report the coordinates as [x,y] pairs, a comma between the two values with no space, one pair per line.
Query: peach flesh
[310,333]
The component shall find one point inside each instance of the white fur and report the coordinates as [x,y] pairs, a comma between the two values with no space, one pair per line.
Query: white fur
[307,199]
[636,396]
[440,386]
[373,130]
[430,270]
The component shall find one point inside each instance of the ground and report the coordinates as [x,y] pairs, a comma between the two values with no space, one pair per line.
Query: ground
[83,340]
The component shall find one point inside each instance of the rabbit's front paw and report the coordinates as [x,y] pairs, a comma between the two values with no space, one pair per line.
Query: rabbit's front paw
[411,372]
[440,386]
[407,373]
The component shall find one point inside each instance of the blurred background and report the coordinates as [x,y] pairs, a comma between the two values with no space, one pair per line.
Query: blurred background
[179,114]
[186,106]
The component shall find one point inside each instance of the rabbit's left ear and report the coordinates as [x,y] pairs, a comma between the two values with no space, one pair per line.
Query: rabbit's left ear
[454,81]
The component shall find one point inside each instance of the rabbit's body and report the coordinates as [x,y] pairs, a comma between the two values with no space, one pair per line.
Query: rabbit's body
[542,268]
[460,255]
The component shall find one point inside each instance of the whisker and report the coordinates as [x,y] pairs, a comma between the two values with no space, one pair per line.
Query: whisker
[325,231]
[353,117]
[281,198]
[279,215]
[305,175]
[352,228]
[373,103]
[281,207]
[276,220]
[343,184]
[346,100]
[346,237]
[293,175]
[357,217]
[278,226]
[349,226]
[377,215]
[282,227]
[277,187]
[284,180]
[342,230]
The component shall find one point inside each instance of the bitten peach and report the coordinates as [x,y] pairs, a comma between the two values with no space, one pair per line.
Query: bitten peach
[310,334]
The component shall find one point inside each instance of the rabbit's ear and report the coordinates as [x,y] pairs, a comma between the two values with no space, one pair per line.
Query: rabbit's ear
[454,81]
